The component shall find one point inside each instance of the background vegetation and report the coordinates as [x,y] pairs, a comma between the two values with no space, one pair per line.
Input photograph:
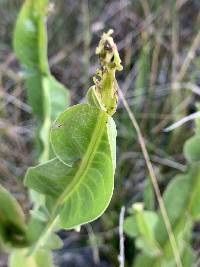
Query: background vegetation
[159,44]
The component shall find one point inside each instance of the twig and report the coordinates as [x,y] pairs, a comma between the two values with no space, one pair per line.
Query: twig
[14,100]
[121,237]
[154,183]
[155,158]
[182,121]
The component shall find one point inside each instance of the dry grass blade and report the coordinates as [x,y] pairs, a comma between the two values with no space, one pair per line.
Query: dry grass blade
[190,56]
[154,182]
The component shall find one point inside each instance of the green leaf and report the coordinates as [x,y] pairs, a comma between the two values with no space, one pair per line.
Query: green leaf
[41,258]
[30,35]
[177,191]
[182,190]
[142,226]
[149,247]
[194,200]
[59,96]
[46,95]
[35,94]
[30,43]
[78,183]
[36,228]
[132,228]
[143,261]
[12,220]
[192,149]
[55,100]
[92,97]
[189,257]
[48,178]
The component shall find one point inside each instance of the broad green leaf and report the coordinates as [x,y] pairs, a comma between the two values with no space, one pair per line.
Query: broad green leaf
[30,43]
[46,95]
[78,183]
[30,35]
[41,258]
[12,221]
